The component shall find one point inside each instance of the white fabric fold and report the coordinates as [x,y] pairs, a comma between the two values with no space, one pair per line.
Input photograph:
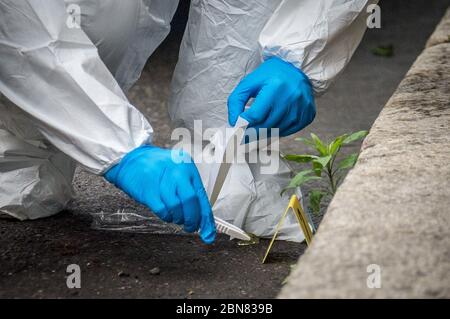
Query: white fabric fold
[317,36]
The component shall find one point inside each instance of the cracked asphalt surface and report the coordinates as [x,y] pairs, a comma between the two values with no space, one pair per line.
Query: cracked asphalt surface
[34,254]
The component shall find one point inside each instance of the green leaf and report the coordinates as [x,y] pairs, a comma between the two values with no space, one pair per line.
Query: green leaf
[302,178]
[334,146]
[384,50]
[323,161]
[300,158]
[355,136]
[348,162]
[320,163]
[317,168]
[315,198]
[320,147]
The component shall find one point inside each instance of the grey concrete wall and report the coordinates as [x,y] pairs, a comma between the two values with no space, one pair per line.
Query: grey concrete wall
[393,209]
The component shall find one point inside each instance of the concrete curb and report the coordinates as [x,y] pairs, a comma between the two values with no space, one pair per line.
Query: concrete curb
[441,34]
[393,209]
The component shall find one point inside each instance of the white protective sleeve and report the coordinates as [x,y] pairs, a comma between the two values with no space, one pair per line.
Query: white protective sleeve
[54,73]
[317,36]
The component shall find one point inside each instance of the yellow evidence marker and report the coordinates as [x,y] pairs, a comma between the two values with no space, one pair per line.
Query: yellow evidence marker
[294,204]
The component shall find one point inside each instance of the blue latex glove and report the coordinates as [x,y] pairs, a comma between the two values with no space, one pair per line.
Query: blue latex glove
[283,98]
[172,189]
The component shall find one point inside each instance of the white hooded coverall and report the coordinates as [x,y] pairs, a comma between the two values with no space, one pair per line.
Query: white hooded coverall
[63,85]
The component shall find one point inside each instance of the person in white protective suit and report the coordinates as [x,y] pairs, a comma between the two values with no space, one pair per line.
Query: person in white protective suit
[64,104]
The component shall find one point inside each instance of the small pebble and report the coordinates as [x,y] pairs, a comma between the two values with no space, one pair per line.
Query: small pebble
[155,271]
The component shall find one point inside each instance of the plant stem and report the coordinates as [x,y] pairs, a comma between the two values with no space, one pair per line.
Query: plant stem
[331,178]
[332,182]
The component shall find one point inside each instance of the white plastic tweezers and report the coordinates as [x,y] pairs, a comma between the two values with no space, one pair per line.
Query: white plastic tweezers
[217,178]
[230,230]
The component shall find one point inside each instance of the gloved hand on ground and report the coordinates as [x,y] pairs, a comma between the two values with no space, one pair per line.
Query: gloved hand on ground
[167,182]
[283,98]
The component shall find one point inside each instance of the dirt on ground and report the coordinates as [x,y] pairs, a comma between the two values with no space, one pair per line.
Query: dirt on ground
[35,255]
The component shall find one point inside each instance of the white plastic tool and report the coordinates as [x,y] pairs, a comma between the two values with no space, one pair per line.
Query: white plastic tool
[230,230]
[225,148]
[219,173]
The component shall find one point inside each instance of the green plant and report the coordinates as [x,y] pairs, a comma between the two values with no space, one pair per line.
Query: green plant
[323,164]
[384,50]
